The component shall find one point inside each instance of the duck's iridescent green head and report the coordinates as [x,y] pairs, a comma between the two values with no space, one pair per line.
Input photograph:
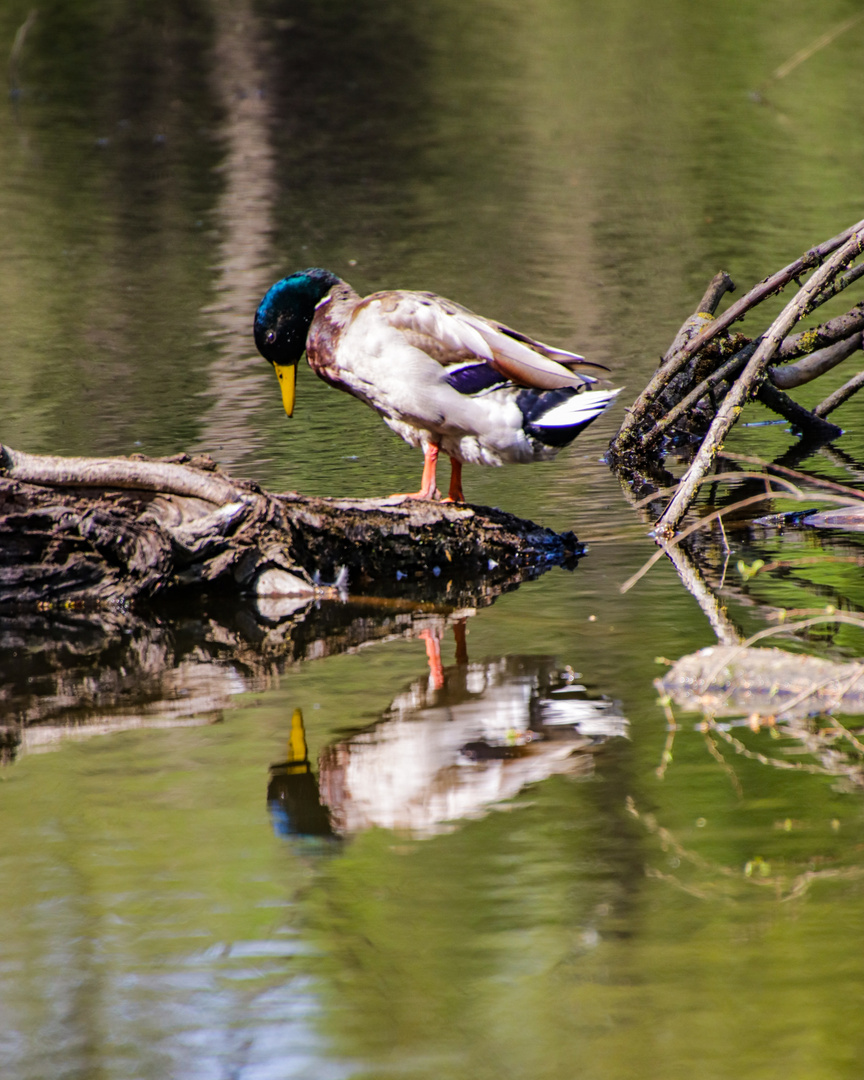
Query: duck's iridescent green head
[282,322]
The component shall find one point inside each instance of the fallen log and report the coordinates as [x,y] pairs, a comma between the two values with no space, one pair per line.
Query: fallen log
[108,530]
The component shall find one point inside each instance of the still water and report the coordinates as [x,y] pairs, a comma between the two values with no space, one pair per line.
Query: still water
[365,841]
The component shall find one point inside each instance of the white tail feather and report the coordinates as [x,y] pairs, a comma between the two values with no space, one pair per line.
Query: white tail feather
[578,409]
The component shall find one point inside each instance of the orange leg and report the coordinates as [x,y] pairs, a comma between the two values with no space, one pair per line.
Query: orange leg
[455,492]
[428,488]
[433,655]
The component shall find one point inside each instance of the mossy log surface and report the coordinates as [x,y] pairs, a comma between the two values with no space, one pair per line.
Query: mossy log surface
[96,531]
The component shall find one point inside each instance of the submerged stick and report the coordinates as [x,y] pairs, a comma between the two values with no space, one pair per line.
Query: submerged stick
[813,427]
[815,46]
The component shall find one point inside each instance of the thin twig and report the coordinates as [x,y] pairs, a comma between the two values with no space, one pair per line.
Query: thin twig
[671,728]
[838,285]
[631,581]
[844,731]
[714,751]
[815,46]
[794,493]
[726,547]
[17,49]
[713,479]
[764,759]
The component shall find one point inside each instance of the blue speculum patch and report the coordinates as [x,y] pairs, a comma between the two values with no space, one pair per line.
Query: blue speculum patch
[474,378]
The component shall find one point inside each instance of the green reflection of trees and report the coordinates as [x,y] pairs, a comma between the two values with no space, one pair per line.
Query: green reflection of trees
[104,258]
[469,953]
[559,940]
[580,169]
[565,936]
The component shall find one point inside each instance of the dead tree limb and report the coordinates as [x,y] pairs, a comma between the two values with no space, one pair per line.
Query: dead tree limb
[814,364]
[693,339]
[196,478]
[844,332]
[748,381]
[699,332]
[96,530]
[829,332]
[810,426]
[721,375]
[718,286]
[835,400]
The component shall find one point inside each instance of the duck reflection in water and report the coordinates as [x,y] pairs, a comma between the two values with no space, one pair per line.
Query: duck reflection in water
[450,747]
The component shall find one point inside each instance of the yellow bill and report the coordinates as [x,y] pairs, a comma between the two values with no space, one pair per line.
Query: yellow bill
[287,376]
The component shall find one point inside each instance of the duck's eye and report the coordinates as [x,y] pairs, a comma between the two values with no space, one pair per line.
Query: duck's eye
[271,336]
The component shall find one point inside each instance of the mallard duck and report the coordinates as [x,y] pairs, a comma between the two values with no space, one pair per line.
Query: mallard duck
[440,376]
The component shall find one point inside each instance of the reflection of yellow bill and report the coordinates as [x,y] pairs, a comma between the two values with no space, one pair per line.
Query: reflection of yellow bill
[297,742]
[287,376]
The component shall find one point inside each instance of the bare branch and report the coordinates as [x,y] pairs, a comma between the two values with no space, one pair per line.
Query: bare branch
[750,377]
[814,364]
[814,427]
[834,330]
[681,350]
[718,286]
[835,400]
[722,374]
[793,474]
[127,473]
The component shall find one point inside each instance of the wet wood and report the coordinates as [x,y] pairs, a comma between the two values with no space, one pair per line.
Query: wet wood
[95,531]
[848,518]
[695,338]
[708,375]
[749,379]
[807,423]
